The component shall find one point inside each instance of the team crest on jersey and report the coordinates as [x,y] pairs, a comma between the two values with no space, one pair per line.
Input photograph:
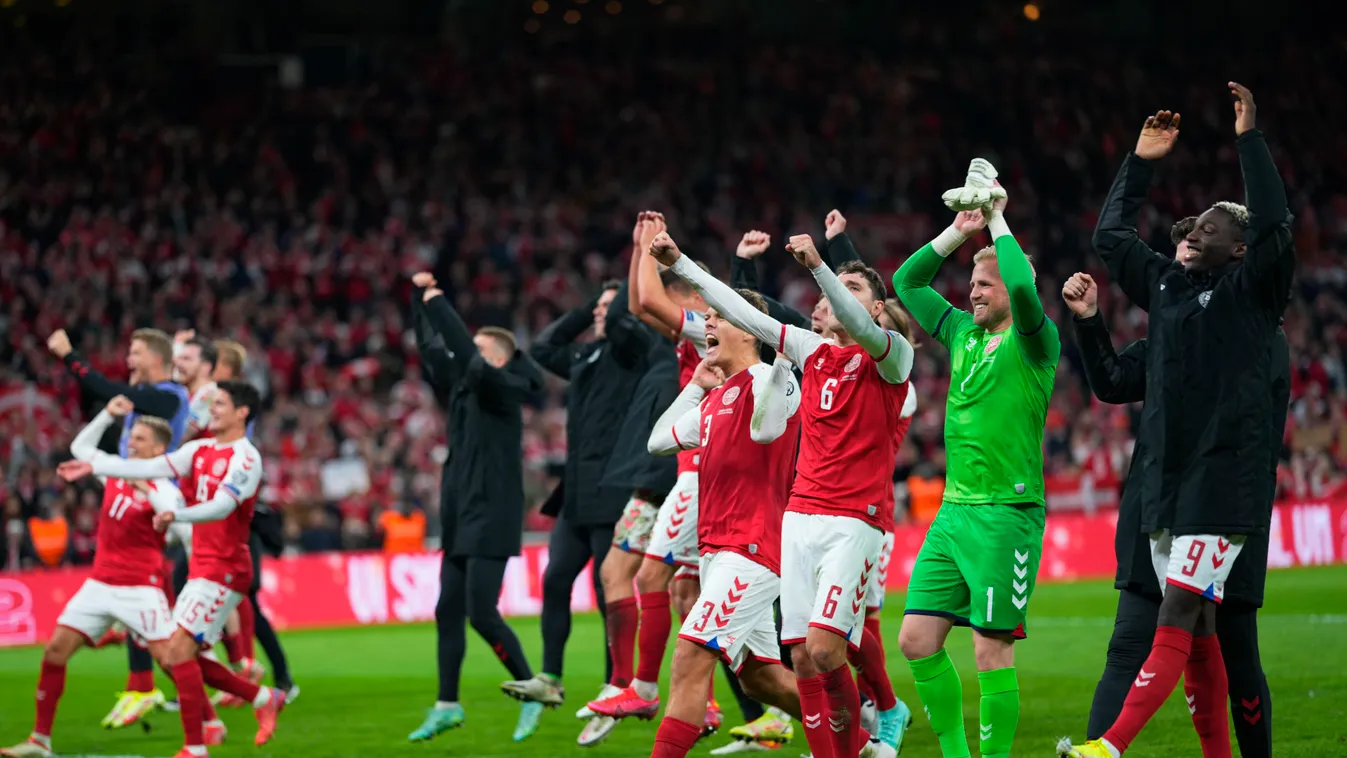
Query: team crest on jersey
[239,477]
[730,396]
[853,364]
[992,344]
[219,467]
[1204,298]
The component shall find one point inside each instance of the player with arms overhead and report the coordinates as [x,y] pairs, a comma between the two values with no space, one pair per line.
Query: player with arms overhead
[979,562]
[747,430]
[852,398]
[126,584]
[220,478]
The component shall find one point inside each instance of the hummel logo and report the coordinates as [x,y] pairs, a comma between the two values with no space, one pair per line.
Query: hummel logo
[1020,587]
[684,496]
[985,731]
[1192,703]
[1019,602]
[813,722]
[837,724]
[1021,557]
[1021,571]
[1144,679]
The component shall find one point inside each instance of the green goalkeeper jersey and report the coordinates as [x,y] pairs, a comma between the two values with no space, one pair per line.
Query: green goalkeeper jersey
[1000,382]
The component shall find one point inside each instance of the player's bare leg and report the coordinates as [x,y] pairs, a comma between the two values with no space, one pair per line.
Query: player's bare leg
[191,672]
[771,684]
[64,643]
[693,667]
[683,592]
[922,641]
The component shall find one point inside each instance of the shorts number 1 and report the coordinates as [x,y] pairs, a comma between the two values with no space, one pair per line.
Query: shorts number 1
[989,604]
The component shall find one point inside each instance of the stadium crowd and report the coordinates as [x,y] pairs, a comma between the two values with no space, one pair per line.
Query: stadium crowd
[292,221]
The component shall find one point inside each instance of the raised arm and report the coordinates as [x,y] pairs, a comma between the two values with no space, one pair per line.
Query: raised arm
[658,307]
[169,466]
[912,281]
[1037,334]
[240,482]
[1131,263]
[892,354]
[450,327]
[85,445]
[630,338]
[776,397]
[1269,262]
[553,349]
[504,389]
[148,399]
[1113,378]
[679,427]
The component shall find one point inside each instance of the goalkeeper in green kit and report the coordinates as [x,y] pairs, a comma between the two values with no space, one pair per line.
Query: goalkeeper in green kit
[980,559]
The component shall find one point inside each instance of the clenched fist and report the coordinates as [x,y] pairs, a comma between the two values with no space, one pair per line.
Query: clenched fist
[707,376]
[801,246]
[834,224]
[59,344]
[753,244]
[423,279]
[1081,295]
[119,406]
[663,249]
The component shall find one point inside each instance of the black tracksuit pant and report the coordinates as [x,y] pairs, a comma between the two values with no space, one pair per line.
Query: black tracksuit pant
[1237,629]
[568,550]
[470,594]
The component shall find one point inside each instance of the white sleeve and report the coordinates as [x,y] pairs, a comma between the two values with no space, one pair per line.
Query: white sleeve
[679,427]
[198,415]
[241,481]
[168,466]
[909,404]
[85,445]
[165,496]
[776,397]
[694,330]
[892,354]
[182,534]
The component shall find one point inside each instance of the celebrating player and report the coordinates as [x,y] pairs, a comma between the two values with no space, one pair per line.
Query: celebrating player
[222,474]
[126,584]
[746,429]
[1216,314]
[853,393]
[979,562]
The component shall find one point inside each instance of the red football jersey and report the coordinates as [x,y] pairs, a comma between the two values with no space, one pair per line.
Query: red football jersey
[220,550]
[129,552]
[743,486]
[691,348]
[850,413]
[899,434]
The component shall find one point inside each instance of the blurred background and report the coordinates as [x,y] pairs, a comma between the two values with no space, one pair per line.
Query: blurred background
[274,172]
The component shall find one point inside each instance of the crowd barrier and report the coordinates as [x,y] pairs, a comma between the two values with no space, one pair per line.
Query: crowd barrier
[347,589]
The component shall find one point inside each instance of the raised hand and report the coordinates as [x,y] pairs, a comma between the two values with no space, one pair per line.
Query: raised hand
[423,279]
[181,336]
[59,344]
[801,247]
[663,249]
[431,293]
[636,229]
[755,243]
[707,377]
[970,222]
[999,197]
[834,224]
[1081,295]
[120,406]
[651,223]
[1158,135]
[980,188]
[1245,110]
[73,471]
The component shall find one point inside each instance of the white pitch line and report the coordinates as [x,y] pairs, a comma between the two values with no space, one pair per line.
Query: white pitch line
[1086,621]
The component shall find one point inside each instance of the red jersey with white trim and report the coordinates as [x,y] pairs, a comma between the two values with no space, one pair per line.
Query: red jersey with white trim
[198,413]
[743,486]
[850,413]
[128,551]
[691,348]
[899,434]
[220,550]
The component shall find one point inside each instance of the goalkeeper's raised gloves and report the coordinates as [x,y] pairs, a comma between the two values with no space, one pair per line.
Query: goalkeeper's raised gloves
[978,190]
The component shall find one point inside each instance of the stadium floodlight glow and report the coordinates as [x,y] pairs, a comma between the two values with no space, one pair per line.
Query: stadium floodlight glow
[1032,12]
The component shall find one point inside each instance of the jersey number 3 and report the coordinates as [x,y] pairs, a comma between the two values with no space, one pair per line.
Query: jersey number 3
[827,394]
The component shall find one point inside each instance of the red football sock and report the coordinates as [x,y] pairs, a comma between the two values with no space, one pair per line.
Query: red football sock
[191,699]
[872,626]
[674,738]
[208,713]
[1159,675]
[621,621]
[50,685]
[247,629]
[844,708]
[874,679]
[653,637]
[140,681]
[814,708]
[234,647]
[221,678]
[1206,686]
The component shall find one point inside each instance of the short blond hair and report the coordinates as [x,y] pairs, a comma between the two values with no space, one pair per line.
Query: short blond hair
[156,341]
[163,433]
[502,335]
[988,253]
[232,356]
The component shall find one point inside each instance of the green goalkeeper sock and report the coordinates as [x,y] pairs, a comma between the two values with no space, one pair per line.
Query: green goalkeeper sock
[941,693]
[998,711]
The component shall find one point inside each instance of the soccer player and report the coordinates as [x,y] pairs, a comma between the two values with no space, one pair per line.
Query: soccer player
[194,361]
[747,429]
[220,477]
[1217,318]
[979,562]
[852,397]
[125,586]
[152,391]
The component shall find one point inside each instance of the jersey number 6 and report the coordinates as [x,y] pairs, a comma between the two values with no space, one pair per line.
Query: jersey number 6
[825,395]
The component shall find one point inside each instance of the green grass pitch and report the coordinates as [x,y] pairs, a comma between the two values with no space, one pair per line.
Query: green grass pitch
[365,688]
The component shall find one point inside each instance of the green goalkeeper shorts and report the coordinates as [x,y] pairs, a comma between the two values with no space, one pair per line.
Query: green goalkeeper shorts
[978,566]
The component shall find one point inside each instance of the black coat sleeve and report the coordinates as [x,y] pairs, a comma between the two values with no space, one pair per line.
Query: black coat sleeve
[147,398]
[1131,263]
[503,390]
[744,273]
[630,338]
[841,250]
[441,370]
[1269,260]
[553,349]
[1114,378]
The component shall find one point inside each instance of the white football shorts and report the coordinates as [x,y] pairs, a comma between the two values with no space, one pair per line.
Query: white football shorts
[733,613]
[143,610]
[826,566]
[1199,563]
[674,539]
[875,591]
[202,609]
